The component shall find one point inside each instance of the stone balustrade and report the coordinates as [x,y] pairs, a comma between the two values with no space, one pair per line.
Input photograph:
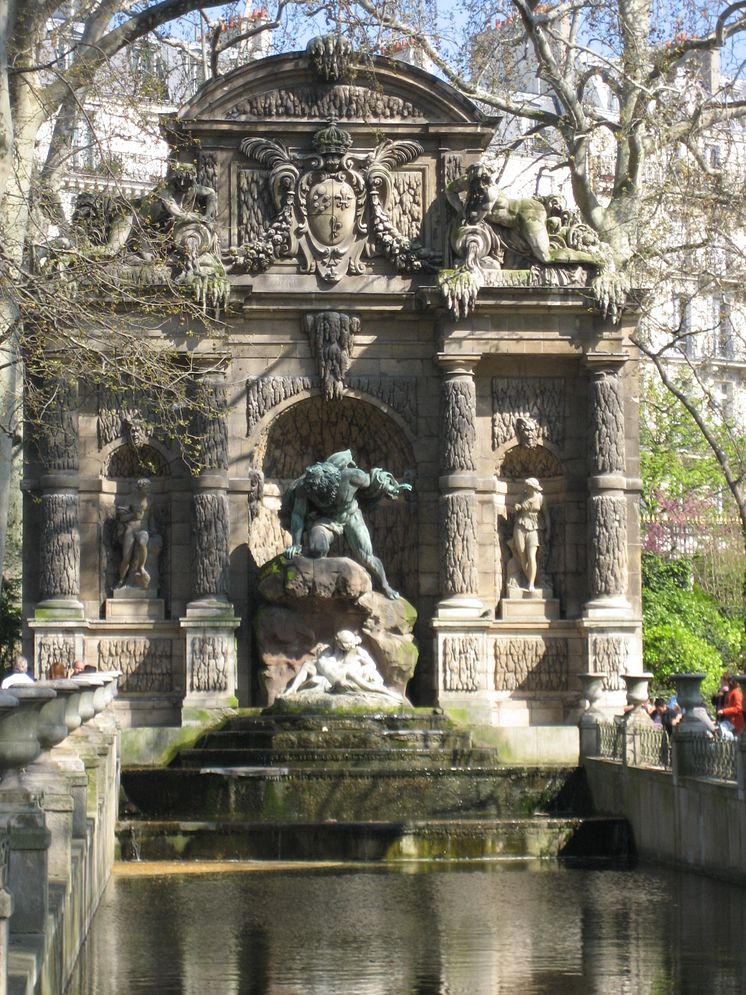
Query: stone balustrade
[59,777]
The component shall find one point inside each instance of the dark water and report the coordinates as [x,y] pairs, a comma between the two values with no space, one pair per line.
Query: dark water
[445,930]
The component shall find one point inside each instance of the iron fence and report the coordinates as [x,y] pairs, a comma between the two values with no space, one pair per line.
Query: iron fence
[714,758]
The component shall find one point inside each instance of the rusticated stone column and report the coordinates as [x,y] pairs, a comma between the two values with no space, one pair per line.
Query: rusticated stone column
[612,634]
[459,576]
[210,622]
[607,506]
[59,567]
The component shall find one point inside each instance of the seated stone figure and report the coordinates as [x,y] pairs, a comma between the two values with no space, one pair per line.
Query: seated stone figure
[346,668]
[325,501]
[173,226]
[488,220]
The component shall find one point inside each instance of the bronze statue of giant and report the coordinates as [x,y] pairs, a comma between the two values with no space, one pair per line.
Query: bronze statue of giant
[328,500]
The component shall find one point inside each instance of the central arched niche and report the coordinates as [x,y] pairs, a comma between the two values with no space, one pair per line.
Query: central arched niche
[313,429]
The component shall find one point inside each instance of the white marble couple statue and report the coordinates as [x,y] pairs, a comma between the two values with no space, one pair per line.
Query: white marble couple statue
[343,669]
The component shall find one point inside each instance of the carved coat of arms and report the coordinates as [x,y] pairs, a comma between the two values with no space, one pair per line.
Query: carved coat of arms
[331,206]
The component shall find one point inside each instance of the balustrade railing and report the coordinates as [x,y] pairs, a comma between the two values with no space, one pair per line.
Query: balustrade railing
[653,748]
[706,757]
[698,756]
[610,741]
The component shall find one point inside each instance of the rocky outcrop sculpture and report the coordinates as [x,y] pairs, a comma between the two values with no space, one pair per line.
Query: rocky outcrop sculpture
[328,640]
[490,224]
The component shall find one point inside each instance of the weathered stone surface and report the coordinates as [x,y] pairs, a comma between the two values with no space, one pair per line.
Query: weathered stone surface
[60,544]
[606,418]
[311,601]
[461,664]
[540,399]
[530,663]
[459,544]
[284,581]
[459,430]
[607,571]
[211,532]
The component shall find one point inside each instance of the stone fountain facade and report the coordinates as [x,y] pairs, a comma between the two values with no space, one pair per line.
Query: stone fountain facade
[354,299]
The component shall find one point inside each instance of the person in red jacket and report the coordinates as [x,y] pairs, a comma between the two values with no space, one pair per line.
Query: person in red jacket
[732,711]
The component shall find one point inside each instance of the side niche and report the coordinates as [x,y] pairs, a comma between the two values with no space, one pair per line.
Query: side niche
[136,461]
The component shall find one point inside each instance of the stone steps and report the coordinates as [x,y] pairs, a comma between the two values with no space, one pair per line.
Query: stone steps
[239,757]
[540,837]
[353,787]
[317,793]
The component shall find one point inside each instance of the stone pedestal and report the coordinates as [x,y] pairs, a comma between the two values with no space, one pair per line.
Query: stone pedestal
[130,604]
[520,604]
[210,653]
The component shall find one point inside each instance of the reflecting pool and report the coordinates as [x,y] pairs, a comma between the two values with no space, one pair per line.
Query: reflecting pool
[447,929]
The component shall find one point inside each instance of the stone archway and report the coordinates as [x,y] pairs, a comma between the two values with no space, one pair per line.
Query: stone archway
[311,430]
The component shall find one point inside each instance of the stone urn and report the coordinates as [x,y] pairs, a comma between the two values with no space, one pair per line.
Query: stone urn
[54,724]
[88,684]
[592,690]
[688,695]
[19,727]
[637,695]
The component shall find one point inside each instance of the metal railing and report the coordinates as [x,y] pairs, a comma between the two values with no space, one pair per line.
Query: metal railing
[610,741]
[652,748]
[697,756]
[714,758]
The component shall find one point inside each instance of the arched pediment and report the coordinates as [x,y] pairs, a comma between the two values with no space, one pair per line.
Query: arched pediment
[286,87]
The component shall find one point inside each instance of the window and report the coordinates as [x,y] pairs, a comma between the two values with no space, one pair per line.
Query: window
[713,156]
[724,399]
[681,327]
[722,320]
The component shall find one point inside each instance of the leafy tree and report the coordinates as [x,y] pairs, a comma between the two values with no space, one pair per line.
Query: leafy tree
[684,629]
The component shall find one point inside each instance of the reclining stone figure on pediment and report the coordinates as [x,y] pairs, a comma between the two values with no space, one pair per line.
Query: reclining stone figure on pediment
[167,237]
[557,248]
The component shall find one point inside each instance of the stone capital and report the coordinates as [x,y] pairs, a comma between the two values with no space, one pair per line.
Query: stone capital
[458,364]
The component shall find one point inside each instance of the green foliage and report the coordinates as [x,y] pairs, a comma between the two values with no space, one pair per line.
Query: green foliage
[684,629]
[676,462]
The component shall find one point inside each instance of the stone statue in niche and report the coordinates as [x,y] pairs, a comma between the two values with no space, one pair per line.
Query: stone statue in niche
[530,518]
[541,231]
[135,532]
[343,669]
[328,500]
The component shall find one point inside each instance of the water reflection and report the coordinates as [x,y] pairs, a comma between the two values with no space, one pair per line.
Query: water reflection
[450,930]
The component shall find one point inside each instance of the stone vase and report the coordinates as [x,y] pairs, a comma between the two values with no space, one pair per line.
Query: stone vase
[637,695]
[592,690]
[688,692]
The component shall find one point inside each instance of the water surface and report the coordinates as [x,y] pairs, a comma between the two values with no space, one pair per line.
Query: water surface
[449,929]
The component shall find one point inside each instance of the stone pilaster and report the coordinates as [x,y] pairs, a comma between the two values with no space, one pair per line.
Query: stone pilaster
[458,554]
[210,623]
